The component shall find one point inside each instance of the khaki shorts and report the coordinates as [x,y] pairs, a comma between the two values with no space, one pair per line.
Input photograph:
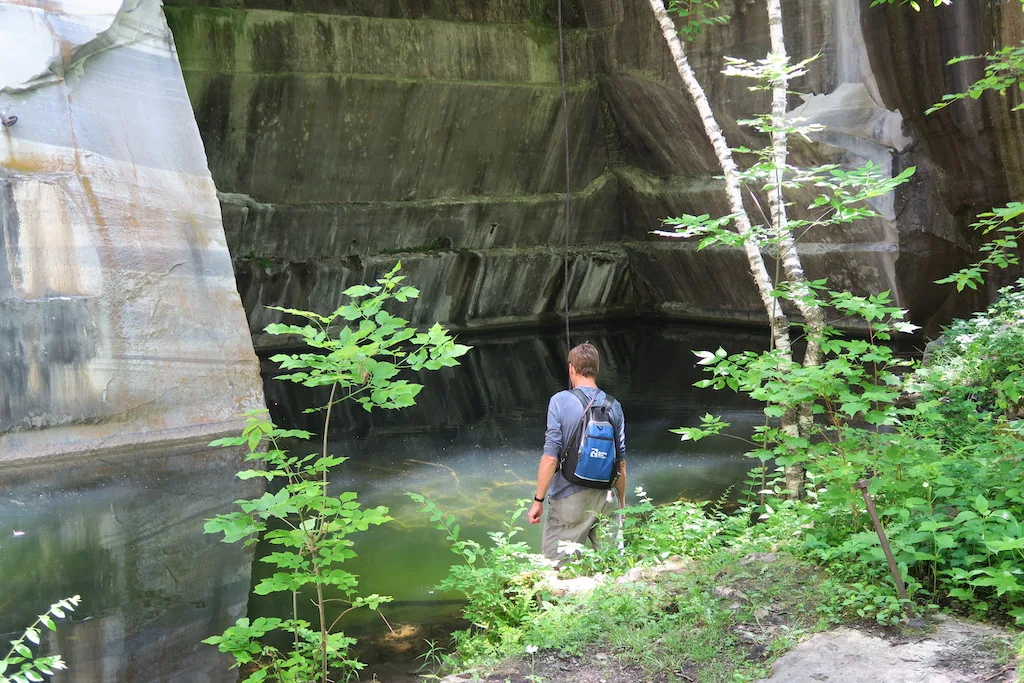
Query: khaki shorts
[574,518]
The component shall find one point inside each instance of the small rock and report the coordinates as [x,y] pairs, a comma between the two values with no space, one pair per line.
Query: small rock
[726,592]
[760,557]
[559,587]
[746,636]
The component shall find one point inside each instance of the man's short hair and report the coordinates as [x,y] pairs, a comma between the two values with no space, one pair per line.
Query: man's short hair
[585,360]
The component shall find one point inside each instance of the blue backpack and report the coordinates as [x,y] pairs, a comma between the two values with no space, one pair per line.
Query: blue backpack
[591,456]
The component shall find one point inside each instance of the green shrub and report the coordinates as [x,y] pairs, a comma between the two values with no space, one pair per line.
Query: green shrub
[358,351]
[20,664]
[499,582]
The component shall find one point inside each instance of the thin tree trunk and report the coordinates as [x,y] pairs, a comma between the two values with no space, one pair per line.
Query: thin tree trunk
[776,318]
[813,314]
[791,419]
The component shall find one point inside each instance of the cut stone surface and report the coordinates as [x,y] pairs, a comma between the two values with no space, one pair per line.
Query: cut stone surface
[956,652]
[346,135]
[120,321]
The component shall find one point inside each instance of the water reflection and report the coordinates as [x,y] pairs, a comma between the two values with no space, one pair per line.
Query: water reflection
[125,533]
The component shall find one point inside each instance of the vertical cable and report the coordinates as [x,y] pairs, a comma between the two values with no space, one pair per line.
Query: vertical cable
[568,182]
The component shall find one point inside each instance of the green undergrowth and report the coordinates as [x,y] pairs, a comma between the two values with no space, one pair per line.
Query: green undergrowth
[692,592]
[1019,645]
[724,618]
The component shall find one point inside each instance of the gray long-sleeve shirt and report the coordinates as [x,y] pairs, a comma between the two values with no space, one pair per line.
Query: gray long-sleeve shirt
[564,413]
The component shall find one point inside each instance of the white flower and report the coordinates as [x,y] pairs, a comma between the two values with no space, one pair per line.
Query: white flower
[569,547]
[531,649]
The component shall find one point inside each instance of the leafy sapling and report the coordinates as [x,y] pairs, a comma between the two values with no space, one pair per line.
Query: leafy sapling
[20,664]
[358,351]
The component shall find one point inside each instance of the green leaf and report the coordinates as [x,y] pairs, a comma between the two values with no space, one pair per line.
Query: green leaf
[358,291]
[980,504]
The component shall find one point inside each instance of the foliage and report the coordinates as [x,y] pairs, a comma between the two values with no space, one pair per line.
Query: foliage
[499,582]
[1008,222]
[976,371]
[1004,71]
[854,424]
[697,15]
[359,351]
[646,534]
[369,350]
[857,381]
[945,468]
[20,664]
[844,198]
[690,617]
[1019,646]
[310,528]
[913,3]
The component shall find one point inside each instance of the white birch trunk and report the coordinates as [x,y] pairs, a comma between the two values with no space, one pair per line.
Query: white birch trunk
[813,315]
[765,285]
[777,319]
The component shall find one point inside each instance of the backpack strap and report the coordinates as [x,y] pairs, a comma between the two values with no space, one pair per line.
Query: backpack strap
[579,425]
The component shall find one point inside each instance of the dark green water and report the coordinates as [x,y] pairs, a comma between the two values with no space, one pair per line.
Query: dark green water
[126,533]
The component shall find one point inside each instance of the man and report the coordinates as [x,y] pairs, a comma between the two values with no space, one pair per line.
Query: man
[573,510]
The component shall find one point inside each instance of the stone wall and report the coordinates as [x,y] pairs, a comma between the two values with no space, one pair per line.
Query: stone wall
[120,322]
[344,135]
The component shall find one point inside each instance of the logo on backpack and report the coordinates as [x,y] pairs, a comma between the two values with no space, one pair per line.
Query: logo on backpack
[591,456]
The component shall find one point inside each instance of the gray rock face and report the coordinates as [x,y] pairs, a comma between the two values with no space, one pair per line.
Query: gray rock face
[345,135]
[954,651]
[120,322]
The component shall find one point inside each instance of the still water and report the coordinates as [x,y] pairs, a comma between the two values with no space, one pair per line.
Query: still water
[126,534]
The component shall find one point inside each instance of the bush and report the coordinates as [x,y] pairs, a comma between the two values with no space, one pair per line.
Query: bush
[358,351]
[20,664]
[499,582]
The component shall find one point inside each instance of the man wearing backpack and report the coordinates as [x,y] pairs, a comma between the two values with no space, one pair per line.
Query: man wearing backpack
[583,465]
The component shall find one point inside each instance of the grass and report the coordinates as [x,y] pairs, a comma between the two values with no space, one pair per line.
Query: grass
[726,619]
[1020,656]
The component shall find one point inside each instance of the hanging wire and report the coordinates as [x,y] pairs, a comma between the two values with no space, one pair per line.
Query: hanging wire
[568,182]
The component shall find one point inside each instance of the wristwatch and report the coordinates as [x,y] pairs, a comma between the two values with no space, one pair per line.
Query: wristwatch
[539,500]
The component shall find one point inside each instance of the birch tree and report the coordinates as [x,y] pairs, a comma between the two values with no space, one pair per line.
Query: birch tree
[778,321]
[773,175]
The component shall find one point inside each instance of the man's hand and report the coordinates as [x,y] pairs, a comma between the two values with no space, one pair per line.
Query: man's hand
[545,472]
[536,510]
